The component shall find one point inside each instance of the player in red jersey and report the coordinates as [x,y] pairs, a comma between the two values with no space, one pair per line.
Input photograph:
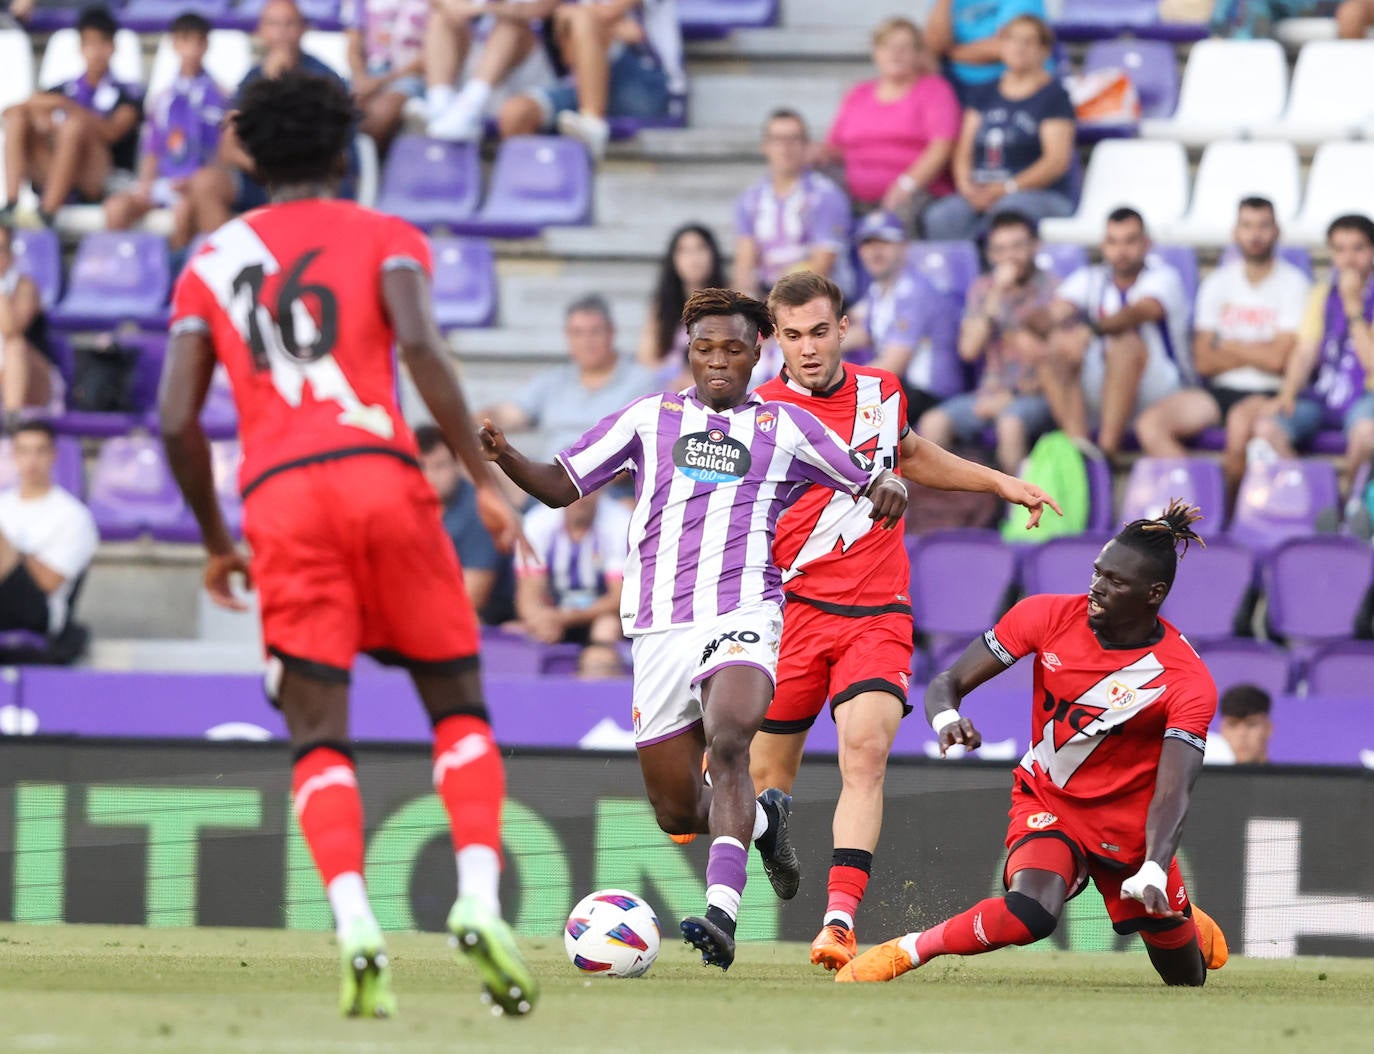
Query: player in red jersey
[1118,725]
[847,631]
[302,303]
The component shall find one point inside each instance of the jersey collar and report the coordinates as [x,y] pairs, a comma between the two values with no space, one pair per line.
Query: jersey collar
[751,399]
[834,389]
[1149,642]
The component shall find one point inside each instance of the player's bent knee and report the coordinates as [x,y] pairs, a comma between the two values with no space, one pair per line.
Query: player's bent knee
[1039,922]
[672,819]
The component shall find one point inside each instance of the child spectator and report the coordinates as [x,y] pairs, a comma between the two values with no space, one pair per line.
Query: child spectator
[180,135]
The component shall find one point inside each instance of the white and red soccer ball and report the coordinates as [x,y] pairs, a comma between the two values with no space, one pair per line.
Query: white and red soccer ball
[612,933]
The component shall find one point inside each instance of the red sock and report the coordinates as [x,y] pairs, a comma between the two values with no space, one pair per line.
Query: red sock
[329,810]
[983,928]
[470,779]
[848,881]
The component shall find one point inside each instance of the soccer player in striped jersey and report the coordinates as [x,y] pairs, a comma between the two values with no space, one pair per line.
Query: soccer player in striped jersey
[714,467]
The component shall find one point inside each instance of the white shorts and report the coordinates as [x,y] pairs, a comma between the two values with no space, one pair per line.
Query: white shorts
[671,664]
[1160,378]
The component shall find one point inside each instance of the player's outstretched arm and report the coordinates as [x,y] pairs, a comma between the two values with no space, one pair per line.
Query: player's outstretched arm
[1180,763]
[946,693]
[547,482]
[930,465]
[185,382]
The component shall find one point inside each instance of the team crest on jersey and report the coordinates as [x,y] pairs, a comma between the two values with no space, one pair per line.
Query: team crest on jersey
[1041,820]
[1051,660]
[871,415]
[1120,696]
[711,457]
[765,421]
[637,718]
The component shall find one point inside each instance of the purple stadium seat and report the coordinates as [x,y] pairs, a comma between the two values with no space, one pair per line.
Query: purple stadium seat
[1061,565]
[1209,590]
[629,127]
[219,417]
[715,18]
[224,462]
[1282,499]
[1316,587]
[152,350]
[1233,662]
[1182,259]
[1342,668]
[509,653]
[132,490]
[464,282]
[559,660]
[153,16]
[68,469]
[39,255]
[959,580]
[321,14]
[1101,507]
[1155,480]
[1103,19]
[538,181]
[430,182]
[1061,260]
[117,277]
[1150,64]
[950,267]
[1294,254]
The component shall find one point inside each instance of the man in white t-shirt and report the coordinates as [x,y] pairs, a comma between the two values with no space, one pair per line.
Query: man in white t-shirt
[1248,315]
[1119,328]
[47,537]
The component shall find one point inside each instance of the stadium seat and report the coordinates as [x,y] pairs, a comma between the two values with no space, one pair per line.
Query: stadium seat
[147,372]
[1261,663]
[229,57]
[1342,668]
[1282,499]
[132,491]
[1101,505]
[117,277]
[429,182]
[950,267]
[959,582]
[1150,177]
[1061,260]
[153,16]
[69,471]
[1061,565]
[715,18]
[1150,64]
[39,255]
[464,282]
[1229,88]
[1228,172]
[1101,19]
[1294,254]
[1333,82]
[1183,259]
[62,59]
[537,182]
[1211,590]
[323,15]
[1155,481]
[16,56]
[1337,183]
[1316,587]
[224,463]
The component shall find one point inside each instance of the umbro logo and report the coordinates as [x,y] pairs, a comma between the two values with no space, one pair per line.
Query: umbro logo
[1051,660]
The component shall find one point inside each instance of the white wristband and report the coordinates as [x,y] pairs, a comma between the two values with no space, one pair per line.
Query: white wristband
[907,184]
[944,719]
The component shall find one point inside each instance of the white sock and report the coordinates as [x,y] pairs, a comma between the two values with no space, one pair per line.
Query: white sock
[479,875]
[908,945]
[438,98]
[348,899]
[474,95]
[760,821]
[839,916]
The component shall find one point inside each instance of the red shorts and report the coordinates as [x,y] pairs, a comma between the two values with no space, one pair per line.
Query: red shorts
[836,657]
[349,556]
[1032,823]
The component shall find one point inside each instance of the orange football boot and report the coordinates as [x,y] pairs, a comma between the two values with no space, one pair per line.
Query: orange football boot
[834,946]
[686,839]
[1210,939]
[882,962]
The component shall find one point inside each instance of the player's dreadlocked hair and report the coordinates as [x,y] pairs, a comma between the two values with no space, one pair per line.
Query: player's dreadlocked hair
[296,127]
[1158,539]
[706,302]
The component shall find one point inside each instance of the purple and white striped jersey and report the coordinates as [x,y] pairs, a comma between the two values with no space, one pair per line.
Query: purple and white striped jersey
[709,488]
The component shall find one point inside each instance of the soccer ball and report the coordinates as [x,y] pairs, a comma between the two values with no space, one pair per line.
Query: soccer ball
[612,933]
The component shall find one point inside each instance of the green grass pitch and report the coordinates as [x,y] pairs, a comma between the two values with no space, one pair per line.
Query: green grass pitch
[108,990]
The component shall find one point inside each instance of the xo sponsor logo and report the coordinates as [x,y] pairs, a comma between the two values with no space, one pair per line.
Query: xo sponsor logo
[711,457]
[735,638]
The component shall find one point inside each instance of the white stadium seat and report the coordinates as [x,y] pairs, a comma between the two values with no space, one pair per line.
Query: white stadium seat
[1338,182]
[16,59]
[1151,178]
[1228,172]
[62,59]
[1332,95]
[1230,88]
[329,47]
[229,57]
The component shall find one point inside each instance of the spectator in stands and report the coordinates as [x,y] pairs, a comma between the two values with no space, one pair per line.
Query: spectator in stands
[1005,323]
[17,12]
[565,401]
[893,318]
[1329,380]
[218,191]
[598,662]
[570,591]
[965,34]
[180,136]
[624,59]
[386,39]
[487,45]
[47,538]
[1354,19]
[484,566]
[692,262]
[73,138]
[1245,727]
[1246,327]
[28,378]
[1016,146]
[793,219]
[1117,328]
[896,134]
